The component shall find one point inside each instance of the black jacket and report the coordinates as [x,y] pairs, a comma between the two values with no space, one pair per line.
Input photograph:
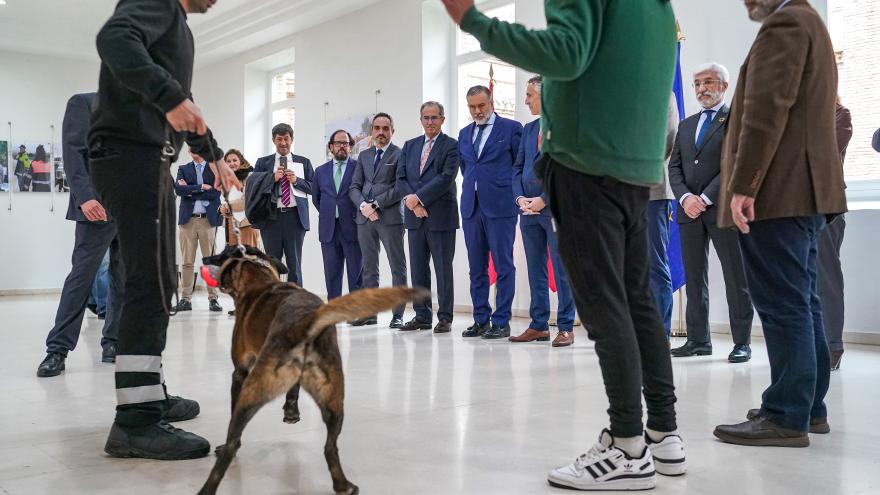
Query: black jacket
[76,161]
[146,51]
[260,198]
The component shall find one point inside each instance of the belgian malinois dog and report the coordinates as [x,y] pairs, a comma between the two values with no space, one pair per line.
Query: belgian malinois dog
[284,337]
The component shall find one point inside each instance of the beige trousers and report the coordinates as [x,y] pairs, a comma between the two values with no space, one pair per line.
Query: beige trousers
[197,233]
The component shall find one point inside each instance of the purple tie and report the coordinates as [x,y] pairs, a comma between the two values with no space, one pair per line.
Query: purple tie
[285,184]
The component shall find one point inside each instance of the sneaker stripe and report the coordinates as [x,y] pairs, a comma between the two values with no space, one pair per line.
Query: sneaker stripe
[600,467]
[610,464]
[644,466]
[592,473]
[669,461]
[632,476]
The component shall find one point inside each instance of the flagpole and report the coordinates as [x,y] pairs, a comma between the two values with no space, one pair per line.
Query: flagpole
[681,328]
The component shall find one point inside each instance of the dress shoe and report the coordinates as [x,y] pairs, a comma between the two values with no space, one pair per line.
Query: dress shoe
[397,322]
[563,339]
[818,426]
[180,409]
[214,306]
[415,324]
[53,365]
[692,349]
[497,332]
[183,305]
[761,432]
[443,326]
[836,356]
[741,353]
[532,335]
[157,441]
[108,355]
[360,322]
[476,330]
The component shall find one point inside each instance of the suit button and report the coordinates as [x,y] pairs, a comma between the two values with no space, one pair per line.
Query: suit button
[696,162]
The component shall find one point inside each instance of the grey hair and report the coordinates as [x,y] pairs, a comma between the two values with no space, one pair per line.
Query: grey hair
[537,82]
[479,89]
[432,104]
[715,67]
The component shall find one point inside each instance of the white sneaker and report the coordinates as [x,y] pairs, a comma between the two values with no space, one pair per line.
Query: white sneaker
[668,455]
[606,467]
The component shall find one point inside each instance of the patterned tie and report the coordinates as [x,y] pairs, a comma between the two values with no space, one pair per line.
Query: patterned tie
[285,184]
[703,130]
[378,159]
[479,141]
[337,181]
[425,154]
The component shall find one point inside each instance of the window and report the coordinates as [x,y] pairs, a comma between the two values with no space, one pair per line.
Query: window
[855,32]
[283,94]
[473,67]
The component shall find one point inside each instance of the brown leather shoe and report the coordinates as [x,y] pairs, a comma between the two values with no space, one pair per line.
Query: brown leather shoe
[818,426]
[443,326]
[564,339]
[761,432]
[531,335]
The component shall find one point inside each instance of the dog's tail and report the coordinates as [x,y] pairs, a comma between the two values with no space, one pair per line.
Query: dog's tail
[361,304]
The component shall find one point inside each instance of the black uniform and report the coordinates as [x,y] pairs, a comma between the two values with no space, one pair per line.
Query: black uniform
[146,51]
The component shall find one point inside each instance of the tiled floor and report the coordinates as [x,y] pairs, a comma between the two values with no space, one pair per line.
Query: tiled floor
[424,414]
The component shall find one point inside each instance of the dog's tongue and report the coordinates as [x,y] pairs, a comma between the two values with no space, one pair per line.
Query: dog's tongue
[209,274]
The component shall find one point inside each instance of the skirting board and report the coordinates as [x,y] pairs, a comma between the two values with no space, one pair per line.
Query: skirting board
[719,328]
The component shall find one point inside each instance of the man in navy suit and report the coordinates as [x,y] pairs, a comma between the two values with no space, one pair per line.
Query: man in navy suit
[283,235]
[426,172]
[538,235]
[94,233]
[487,150]
[337,230]
[198,221]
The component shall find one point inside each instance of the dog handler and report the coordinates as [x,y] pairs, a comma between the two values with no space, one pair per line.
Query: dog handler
[144,114]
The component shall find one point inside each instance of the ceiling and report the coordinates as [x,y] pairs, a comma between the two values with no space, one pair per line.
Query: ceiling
[67,28]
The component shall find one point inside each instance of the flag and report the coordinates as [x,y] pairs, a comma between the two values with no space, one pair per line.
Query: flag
[492,275]
[673,250]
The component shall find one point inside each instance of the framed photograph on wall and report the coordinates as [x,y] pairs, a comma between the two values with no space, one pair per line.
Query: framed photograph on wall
[36,166]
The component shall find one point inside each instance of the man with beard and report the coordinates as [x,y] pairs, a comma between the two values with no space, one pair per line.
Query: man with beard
[380,217]
[337,231]
[782,181]
[143,115]
[487,149]
[695,175]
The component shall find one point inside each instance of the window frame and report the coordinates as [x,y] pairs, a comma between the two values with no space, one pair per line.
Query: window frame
[282,104]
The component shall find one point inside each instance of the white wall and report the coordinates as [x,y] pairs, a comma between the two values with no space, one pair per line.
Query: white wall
[33,95]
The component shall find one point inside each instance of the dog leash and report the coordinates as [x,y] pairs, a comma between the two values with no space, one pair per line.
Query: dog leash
[236,230]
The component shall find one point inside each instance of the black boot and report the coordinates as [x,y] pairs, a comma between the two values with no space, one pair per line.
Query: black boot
[180,409]
[157,441]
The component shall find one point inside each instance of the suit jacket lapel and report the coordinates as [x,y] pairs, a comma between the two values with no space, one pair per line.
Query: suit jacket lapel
[469,141]
[346,176]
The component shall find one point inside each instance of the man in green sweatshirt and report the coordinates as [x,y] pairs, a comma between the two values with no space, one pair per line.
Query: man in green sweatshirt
[607,68]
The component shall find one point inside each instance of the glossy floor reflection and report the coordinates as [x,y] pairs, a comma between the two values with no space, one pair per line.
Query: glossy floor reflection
[425,414]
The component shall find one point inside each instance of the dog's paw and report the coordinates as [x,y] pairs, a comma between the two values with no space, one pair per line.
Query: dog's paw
[291,418]
[351,490]
[219,450]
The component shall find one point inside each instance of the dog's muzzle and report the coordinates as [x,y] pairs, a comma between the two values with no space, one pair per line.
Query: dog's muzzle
[209,275]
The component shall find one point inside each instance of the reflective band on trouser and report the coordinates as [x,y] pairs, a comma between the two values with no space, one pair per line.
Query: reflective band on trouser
[142,371]
[138,364]
[139,395]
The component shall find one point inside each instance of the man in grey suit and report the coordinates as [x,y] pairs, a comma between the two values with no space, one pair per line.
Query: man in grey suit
[694,173]
[380,219]
[95,233]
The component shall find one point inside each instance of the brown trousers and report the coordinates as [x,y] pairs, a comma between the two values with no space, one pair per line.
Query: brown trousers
[197,233]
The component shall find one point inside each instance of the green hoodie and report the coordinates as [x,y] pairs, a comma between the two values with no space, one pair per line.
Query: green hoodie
[608,67]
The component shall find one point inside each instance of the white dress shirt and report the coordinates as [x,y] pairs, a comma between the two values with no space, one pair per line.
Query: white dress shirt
[703,117]
[485,137]
[298,169]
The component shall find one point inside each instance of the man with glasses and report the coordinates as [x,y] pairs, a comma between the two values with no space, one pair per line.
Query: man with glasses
[336,228]
[380,219]
[695,175]
[426,174]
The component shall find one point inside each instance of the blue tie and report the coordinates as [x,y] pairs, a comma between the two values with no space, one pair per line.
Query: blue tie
[703,130]
[378,159]
[479,141]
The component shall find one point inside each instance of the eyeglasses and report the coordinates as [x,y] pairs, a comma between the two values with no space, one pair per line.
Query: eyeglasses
[431,118]
[706,82]
[340,143]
